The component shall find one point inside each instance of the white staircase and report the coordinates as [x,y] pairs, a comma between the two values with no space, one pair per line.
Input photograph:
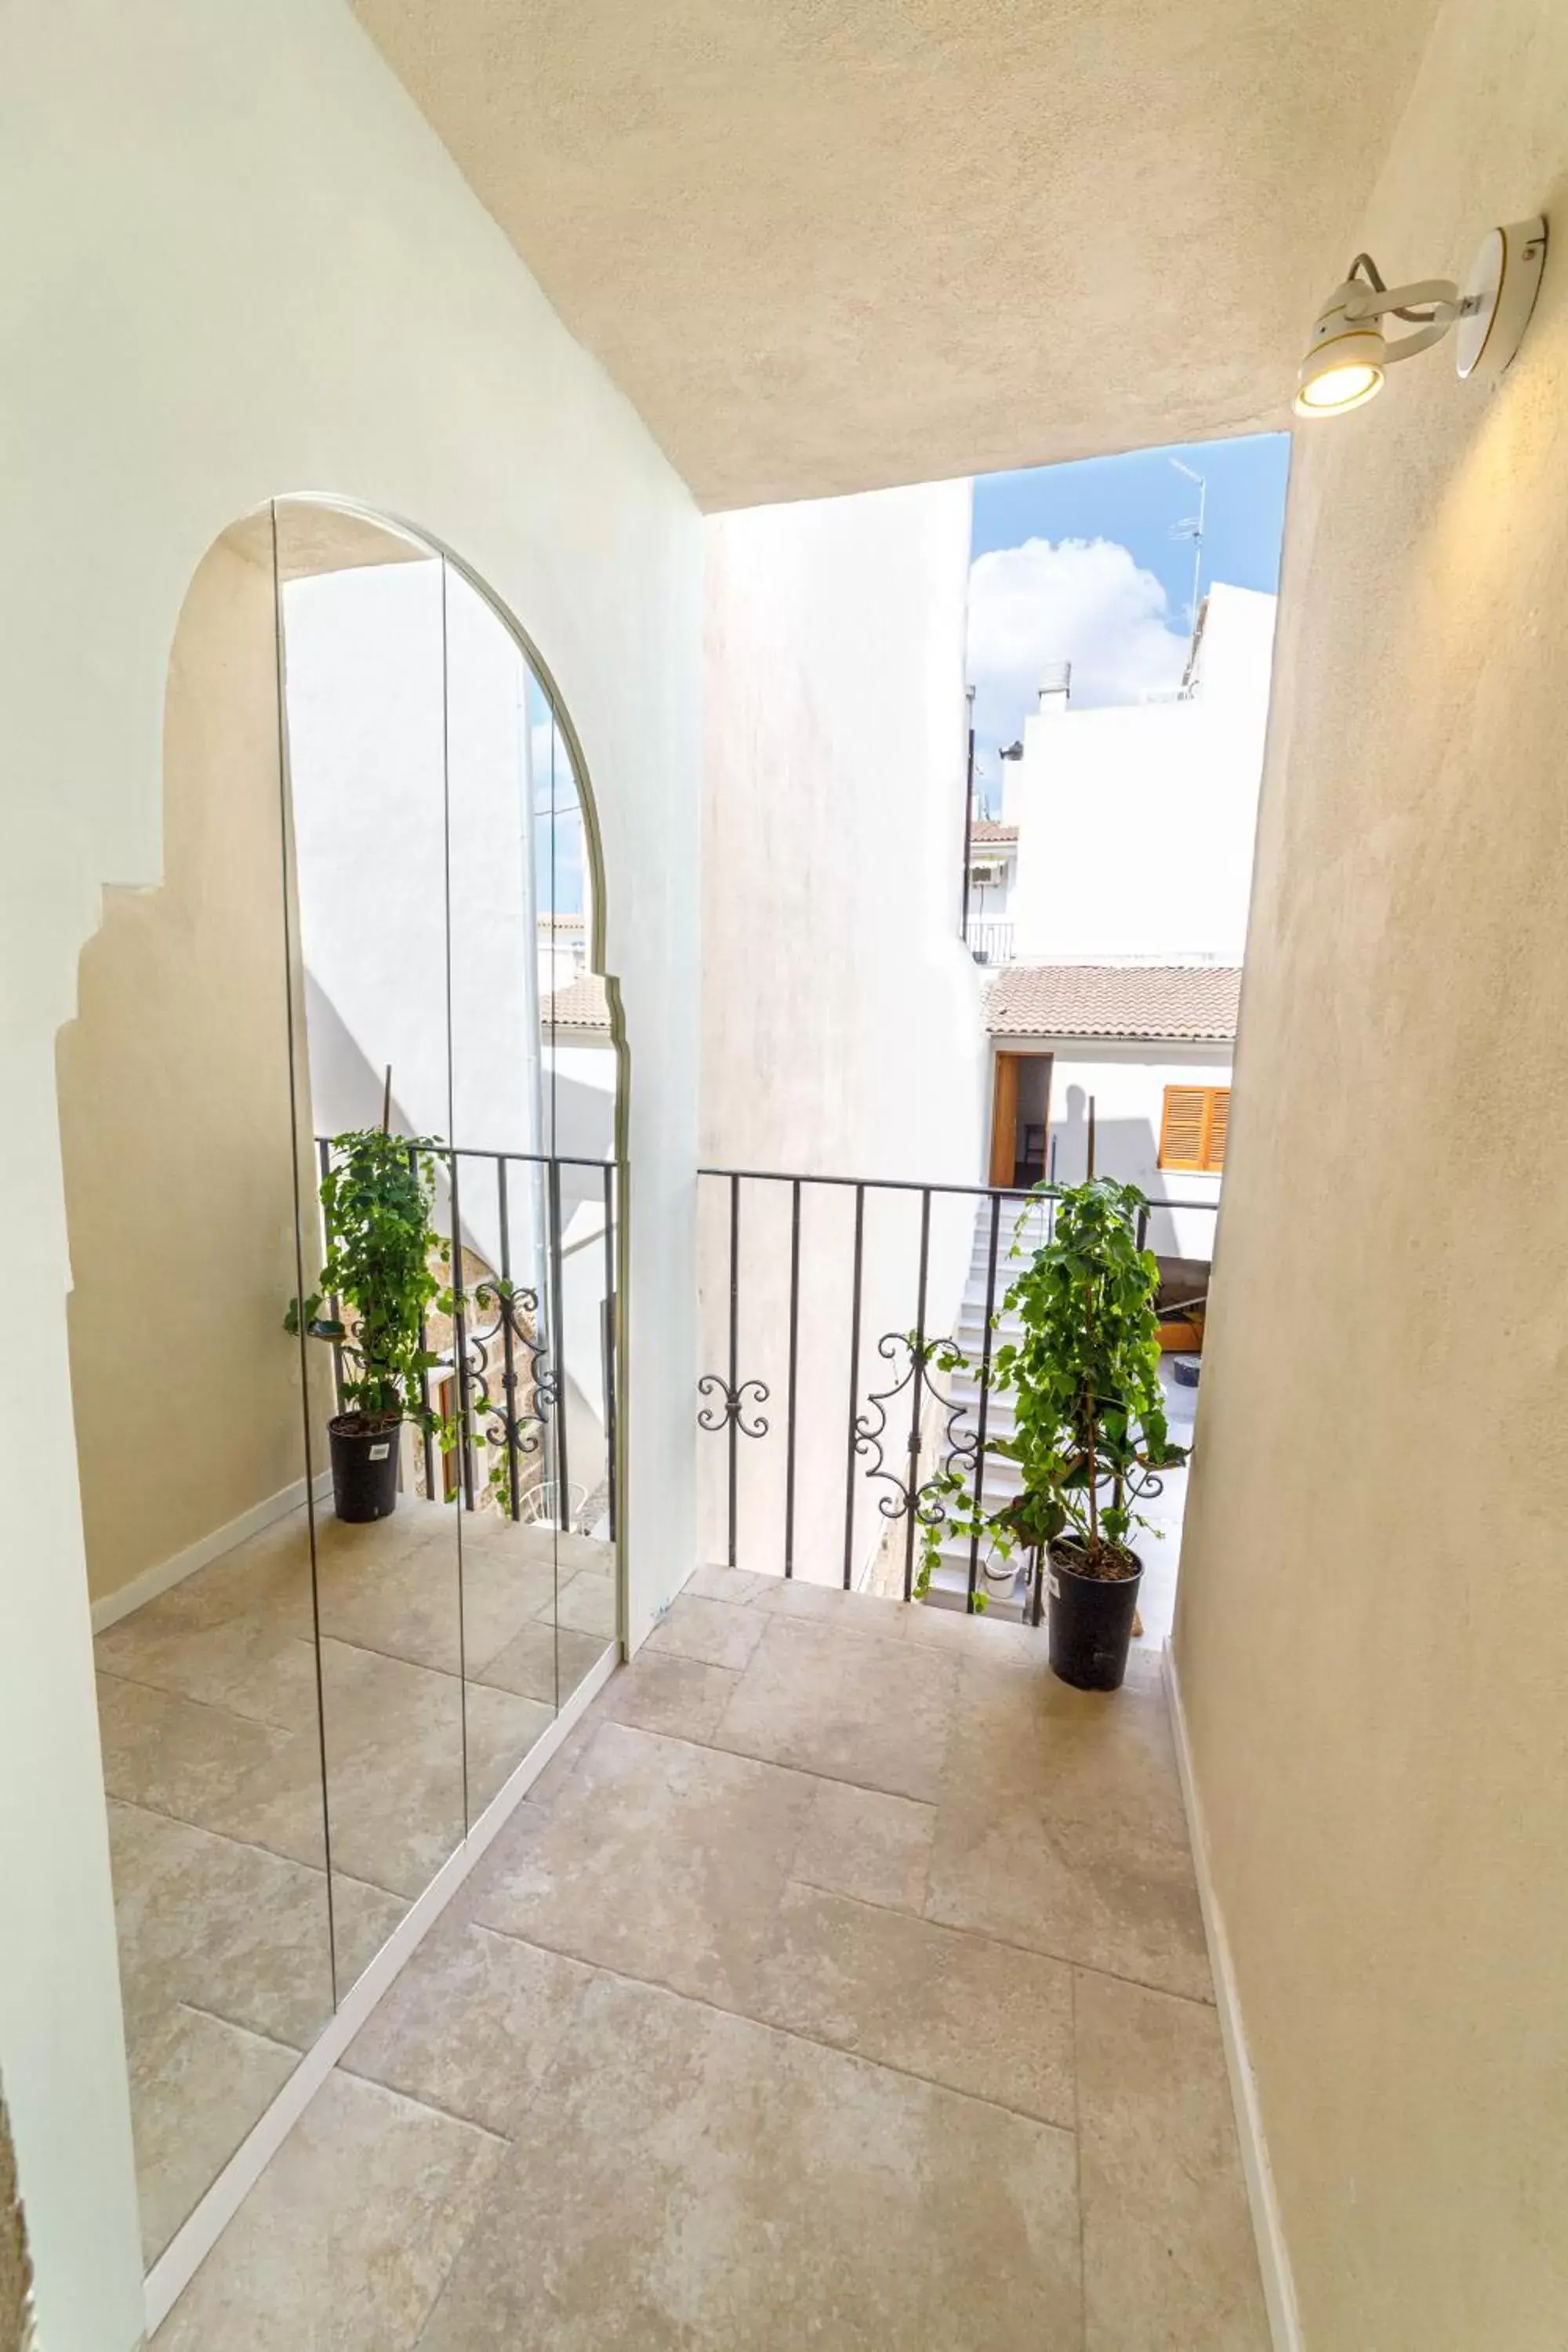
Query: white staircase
[1027,1224]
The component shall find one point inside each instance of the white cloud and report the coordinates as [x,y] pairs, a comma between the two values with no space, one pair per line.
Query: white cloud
[1078,599]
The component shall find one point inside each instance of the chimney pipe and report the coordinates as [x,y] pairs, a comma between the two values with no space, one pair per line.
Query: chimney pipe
[1056,689]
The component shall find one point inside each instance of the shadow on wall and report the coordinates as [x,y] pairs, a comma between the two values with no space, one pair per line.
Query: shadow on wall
[1126,1148]
[1129,1150]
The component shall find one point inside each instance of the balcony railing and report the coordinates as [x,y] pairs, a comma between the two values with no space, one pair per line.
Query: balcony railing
[502,1368]
[827,1300]
[989,942]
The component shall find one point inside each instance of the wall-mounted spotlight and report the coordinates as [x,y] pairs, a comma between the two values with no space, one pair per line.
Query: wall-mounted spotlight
[1349,351]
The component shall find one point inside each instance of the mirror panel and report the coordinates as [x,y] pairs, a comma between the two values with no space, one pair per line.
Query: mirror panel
[364,639]
[509,1570]
[347,1565]
[581,1079]
[177,1139]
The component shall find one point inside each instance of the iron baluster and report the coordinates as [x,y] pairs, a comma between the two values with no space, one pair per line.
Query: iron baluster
[793,1369]
[427,1440]
[334,1304]
[558,1351]
[978,1488]
[460,1344]
[737,1394]
[607,1348]
[854,1439]
[509,1351]
[917,1369]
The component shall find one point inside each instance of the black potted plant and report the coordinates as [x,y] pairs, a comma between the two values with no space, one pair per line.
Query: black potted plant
[377,1199]
[1090,1431]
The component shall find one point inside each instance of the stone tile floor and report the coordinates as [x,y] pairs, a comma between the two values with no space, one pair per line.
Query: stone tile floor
[213,1741]
[840,1984]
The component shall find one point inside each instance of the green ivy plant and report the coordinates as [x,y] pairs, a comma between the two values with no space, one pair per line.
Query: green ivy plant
[1090,1429]
[378,1197]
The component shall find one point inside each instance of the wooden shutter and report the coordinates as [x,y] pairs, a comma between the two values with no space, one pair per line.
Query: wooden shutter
[1192,1128]
[1181,1126]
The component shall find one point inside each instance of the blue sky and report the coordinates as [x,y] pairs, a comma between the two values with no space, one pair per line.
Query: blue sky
[558,835]
[1083,563]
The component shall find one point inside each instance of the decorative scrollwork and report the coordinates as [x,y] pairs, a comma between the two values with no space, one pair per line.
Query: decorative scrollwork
[732,1414]
[498,1418]
[924,1497]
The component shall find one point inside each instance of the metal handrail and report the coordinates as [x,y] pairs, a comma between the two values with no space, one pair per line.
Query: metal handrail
[508,1338]
[915,1185]
[734,1402]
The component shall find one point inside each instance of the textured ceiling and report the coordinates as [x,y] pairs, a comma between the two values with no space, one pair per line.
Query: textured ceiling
[827,245]
[313,537]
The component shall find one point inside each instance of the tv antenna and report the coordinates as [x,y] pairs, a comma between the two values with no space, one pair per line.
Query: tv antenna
[1191,527]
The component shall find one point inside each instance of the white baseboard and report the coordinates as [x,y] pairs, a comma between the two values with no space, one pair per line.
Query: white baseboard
[168,1572]
[1273,2254]
[195,2238]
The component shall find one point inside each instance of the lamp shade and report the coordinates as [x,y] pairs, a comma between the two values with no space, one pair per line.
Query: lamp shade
[1345,357]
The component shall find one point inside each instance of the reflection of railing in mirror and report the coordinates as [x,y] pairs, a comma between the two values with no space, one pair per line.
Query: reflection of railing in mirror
[525,1368]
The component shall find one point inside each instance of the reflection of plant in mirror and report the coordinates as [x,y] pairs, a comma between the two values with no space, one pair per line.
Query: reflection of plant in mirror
[1089,1433]
[377,1196]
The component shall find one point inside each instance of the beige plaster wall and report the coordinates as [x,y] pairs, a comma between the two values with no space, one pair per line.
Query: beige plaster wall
[1371,1637]
[174,1126]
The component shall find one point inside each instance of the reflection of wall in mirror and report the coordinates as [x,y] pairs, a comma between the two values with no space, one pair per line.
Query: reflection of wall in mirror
[402,793]
[174,1121]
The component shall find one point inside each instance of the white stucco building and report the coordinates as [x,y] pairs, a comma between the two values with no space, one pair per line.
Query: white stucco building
[1144,1052]
[1135,823]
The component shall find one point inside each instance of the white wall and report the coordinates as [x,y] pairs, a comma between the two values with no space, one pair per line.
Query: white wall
[367,764]
[401,791]
[841,1031]
[248,266]
[1127,1083]
[1136,823]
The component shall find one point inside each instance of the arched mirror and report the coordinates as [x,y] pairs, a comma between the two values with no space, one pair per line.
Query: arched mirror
[341,1116]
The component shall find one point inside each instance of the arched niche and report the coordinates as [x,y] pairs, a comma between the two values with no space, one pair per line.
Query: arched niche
[380,852]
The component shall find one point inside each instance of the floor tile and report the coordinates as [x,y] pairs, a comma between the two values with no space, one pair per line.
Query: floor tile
[198,2085]
[248,1663]
[690,2182]
[952,2008]
[716,1632]
[472,2023]
[208,1766]
[663,1859]
[737,1584]
[586,1603]
[345,2241]
[1059,1827]
[268,1575]
[983,1638]
[859,1841]
[543,1661]
[874,1613]
[678,1695]
[403,1603]
[500,1727]
[362,1919]
[1169,2256]
[226,1928]
[832,1701]
[395,1765]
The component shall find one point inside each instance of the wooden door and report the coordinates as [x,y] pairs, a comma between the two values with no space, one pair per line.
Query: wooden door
[1004,1118]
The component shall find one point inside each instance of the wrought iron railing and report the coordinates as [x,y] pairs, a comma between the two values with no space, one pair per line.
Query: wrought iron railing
[505,1360]
[989,942]
[898,1431]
